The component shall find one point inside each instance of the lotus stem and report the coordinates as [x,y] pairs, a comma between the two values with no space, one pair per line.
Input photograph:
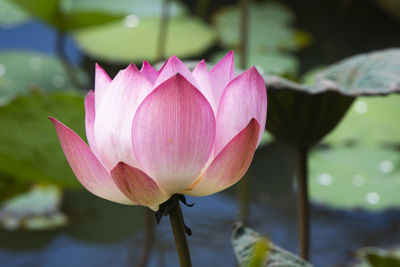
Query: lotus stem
[162,35]
[303,213]
[243,195]
[60,51]
[243,32]
[178,228]
[149,237]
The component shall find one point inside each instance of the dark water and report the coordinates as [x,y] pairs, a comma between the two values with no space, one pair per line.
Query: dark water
[102,233]
[105,234]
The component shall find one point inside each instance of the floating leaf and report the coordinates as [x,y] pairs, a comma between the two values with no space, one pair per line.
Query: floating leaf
[270,36]
[137,7]
[377,257]
[370,122]
[355,178]
[254,250]
[266,62]
[64,16]
[22,72]
[11,15]
[29,147]
[37,209]
[268,26]
[187,36]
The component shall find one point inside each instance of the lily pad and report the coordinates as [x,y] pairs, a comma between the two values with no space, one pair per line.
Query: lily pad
[127,7]
[266,62]
[255,250]
[22,72]
[355,178]
[270,36]
[11,15]
[302,114]
[37,209]
[187,36]
[29,150]
[372,121]
[64,16]
[269,26]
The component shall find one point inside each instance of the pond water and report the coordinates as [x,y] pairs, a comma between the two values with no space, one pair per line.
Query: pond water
[101,233]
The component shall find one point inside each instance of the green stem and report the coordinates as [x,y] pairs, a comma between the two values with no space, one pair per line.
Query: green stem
[303,219]
[149,237]
[243,195]
[178,228]
[243,32]
[162,35]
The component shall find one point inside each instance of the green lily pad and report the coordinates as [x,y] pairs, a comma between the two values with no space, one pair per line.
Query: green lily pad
[266,62]
[375,73]
[269,27]
[187,36]
[37,209]
[11,15]
[270,36]
[65,16]
[255,250]
[372,121]
[355,178]
[22,72]
[137,7]
[378,257]
[30,150]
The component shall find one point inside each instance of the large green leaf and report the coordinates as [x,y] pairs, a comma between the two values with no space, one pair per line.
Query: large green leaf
[22,72]
[355,178]
[375,73]
[29,147]
[65,16]
[370,122]
[255,250]
[121,42]
[10,14]
[302,114]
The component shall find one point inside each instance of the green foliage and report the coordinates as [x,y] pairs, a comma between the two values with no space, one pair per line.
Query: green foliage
[374,73]
[377,257]
[64,17]
[356,177]
[22,72]
[254,250]
[120,42]
[303,114]
[10,14]
[127,7]
[270,36]
[29,150]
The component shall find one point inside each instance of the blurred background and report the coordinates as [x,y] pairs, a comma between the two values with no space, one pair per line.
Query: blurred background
[48,49]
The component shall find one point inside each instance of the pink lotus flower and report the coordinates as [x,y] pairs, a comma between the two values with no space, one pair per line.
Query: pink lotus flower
[153,134]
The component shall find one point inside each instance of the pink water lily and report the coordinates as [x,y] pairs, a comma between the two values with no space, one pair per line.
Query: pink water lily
[153,133]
